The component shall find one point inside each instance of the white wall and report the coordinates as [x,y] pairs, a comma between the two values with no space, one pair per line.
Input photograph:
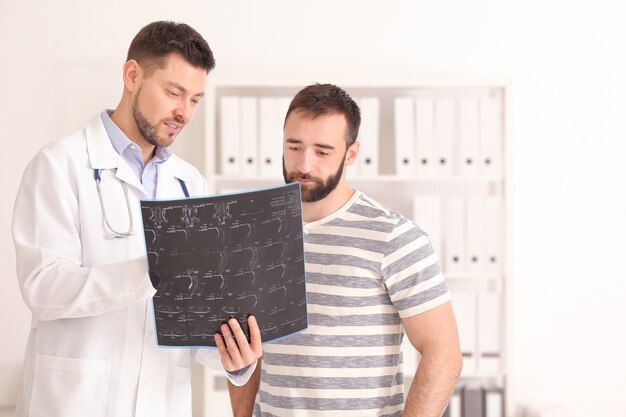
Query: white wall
[567,64]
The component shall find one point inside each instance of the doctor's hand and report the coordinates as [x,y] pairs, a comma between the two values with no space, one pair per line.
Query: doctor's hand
[235,351]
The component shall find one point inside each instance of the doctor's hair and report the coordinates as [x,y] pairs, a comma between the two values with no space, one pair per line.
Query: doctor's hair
[157,40]
[327,99]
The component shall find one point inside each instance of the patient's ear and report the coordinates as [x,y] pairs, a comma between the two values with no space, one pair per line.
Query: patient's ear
[352,153]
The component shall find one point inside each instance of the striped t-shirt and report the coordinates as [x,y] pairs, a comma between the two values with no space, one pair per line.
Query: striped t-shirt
[366,268]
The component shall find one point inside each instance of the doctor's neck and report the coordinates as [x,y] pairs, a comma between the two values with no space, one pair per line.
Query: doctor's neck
[137,131]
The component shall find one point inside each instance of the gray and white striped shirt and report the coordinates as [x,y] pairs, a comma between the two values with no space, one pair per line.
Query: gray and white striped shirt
[367,267]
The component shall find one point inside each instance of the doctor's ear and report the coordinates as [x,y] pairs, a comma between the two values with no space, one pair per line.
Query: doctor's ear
[132,72]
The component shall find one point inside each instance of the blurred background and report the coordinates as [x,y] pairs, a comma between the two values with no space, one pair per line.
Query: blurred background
[565,63]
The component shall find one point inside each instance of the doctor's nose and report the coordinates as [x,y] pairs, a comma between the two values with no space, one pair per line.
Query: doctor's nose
[184,112]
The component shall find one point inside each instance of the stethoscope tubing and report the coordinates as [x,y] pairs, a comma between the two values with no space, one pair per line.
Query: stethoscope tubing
[131,226]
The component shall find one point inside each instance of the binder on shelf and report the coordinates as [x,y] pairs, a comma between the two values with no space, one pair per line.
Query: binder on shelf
[354,171]
[475,228]
[404,124]
[230,136]
[468,160]
[444,135]
[427,215]
[493,241]
[491,136]
[425,137]
[282,106]
[464,304]
[249,137]
[411,358]
[368,159]
[494,402]
[472,402]
[270,138]
[476,401]
[454,407]
[453,236]
[489,333]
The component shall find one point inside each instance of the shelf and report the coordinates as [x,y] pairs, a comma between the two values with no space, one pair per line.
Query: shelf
[472,277]
[466,121]
[374,178]
[397,192]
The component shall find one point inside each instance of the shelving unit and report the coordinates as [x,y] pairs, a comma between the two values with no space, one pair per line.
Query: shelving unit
[464,127]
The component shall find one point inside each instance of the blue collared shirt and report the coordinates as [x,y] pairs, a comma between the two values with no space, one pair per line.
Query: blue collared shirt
[131,153]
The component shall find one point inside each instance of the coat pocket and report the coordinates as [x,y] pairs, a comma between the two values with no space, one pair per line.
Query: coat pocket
[181,392]
[69,387]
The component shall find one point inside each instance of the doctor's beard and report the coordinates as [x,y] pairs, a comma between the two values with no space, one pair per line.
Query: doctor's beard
[148,131]
[319,191]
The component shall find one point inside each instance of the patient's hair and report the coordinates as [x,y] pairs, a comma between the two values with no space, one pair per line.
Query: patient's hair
[326,99]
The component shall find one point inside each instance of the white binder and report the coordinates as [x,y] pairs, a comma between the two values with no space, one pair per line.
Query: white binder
[464,304]
[489,333]
[411,358]
[494,404]
[493,236]
[230,136]
[282,107]
[468,160]
[454,408]
[491,136]
[249,137]
[453,236]
[270,138]
[368,160]
[444,136]
[425,137]
[475,229]
[405,136]
[281,111]
[427,215]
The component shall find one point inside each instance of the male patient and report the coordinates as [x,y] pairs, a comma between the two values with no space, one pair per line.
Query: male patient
[372,275]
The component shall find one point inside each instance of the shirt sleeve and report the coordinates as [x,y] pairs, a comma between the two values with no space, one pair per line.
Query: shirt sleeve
[411,271]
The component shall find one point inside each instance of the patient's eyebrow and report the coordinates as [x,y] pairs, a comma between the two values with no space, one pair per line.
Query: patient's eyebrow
[317,145]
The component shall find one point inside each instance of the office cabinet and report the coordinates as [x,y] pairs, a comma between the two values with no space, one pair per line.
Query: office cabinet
[435,152]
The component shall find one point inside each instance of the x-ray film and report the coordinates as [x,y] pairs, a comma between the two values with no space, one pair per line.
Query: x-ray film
[222,256]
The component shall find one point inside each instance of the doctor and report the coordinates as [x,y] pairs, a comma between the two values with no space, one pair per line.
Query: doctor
[80,255]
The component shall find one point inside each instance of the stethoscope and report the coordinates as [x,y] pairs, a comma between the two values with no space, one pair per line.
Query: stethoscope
[131,230]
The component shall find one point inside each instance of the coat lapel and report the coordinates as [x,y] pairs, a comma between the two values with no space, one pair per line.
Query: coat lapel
[102,155]
[169,174]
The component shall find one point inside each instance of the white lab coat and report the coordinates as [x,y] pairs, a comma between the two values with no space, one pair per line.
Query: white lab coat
[92,349]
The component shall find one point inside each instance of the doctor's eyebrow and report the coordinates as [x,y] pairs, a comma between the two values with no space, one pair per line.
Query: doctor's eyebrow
[183,89]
